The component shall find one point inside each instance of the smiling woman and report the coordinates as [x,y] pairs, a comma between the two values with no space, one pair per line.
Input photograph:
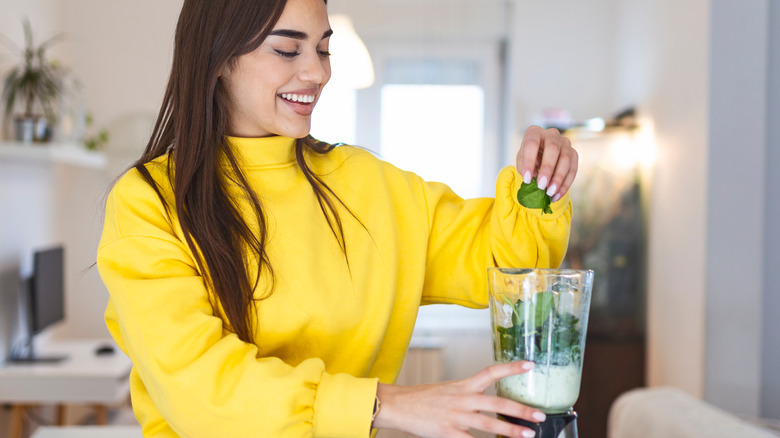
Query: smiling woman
[267,284]
[274,88]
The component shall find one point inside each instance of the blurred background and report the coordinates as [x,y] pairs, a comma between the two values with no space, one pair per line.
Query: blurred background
[670,104]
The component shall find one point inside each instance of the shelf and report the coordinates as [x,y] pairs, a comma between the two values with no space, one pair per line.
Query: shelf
[65,153]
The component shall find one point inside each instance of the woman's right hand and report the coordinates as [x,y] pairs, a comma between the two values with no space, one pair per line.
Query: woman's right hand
[451,409]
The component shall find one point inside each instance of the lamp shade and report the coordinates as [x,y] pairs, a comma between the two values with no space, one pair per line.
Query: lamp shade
[350,61]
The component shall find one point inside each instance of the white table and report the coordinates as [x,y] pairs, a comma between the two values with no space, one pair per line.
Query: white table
[82,378]
[88,432]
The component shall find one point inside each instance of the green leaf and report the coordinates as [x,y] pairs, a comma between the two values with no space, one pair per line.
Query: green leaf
[544,302]
[34,79]
[531,196]
[515,316]
[507,299]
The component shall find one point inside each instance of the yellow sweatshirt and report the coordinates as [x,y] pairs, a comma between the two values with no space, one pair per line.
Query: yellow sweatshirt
[328,333]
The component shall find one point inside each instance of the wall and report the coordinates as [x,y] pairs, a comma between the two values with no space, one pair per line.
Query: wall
[429,19]
[735,204]
[122,51]
[562,56]
[663,69]
[770,378]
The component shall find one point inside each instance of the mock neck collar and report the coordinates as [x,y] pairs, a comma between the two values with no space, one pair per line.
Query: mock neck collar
[263,151]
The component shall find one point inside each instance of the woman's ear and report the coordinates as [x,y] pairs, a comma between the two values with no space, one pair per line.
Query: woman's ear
[224,72]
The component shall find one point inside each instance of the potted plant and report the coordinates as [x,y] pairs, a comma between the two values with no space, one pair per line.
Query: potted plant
[37,84]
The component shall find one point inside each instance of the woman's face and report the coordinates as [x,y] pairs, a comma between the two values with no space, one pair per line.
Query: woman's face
[273,90]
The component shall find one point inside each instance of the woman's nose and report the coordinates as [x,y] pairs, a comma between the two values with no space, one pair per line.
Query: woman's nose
[315,69]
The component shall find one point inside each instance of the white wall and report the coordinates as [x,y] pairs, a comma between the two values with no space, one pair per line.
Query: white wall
[562,56]
[122,52]
[735,203]
[430,19]
[668,42]
[770,394]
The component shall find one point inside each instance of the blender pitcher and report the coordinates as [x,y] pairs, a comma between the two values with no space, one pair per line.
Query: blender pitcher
[541,315]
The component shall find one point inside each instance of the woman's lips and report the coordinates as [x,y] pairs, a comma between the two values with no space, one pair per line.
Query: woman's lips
[301,103]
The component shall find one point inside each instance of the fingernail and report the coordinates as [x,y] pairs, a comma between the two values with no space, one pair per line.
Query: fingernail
[539,416]
[542,182]
[557,197]
[529,433]
[528,365]
[551,190]
[527,177]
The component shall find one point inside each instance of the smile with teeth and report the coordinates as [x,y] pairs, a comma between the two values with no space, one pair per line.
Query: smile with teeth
[299,98]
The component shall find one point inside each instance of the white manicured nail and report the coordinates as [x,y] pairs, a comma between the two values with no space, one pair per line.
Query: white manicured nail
[557,197]
[527,177]
[529,433]
[538,416]
[552,189]
[542,182]
[528,365]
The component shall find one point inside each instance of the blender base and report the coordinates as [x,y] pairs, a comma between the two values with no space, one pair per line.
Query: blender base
[555,426]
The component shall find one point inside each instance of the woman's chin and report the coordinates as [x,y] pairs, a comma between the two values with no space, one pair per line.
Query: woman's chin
[295,132]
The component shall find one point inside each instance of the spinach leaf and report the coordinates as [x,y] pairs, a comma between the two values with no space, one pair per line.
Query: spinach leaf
[536,309]
[544,302]
[531,196]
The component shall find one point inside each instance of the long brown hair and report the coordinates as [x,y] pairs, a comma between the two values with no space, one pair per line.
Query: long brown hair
[193,122]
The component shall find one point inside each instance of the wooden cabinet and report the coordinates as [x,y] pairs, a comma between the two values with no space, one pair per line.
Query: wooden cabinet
[611,367]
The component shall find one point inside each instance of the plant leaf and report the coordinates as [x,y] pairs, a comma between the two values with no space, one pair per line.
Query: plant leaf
[34,80]
[531,196]
[544,302]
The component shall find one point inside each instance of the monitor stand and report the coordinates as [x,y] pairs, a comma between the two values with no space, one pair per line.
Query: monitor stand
[28,356]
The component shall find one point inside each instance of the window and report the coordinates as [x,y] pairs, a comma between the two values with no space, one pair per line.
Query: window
[435,110]
[432,114]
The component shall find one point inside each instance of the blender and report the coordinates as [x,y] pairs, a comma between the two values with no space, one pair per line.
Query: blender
[541,315]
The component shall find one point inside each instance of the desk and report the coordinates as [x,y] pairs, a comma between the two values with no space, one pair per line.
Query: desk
[88,432]
[82,378]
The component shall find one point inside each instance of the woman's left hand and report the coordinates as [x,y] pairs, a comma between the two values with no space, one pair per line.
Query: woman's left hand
[548,156]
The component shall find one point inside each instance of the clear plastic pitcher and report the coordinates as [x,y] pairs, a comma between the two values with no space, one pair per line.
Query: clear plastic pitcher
[541,315]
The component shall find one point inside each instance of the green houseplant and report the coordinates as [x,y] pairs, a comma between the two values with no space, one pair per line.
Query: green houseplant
[37,83]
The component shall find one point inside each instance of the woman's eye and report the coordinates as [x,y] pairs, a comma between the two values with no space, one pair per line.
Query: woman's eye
[324,53]
[286,54]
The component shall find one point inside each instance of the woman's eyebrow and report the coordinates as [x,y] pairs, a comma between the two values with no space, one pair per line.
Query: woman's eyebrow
[297,34]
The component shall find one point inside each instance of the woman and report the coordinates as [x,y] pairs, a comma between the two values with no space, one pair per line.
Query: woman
[266,284]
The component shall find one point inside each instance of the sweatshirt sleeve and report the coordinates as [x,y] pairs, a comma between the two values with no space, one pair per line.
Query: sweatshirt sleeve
[202,379]
[468,236]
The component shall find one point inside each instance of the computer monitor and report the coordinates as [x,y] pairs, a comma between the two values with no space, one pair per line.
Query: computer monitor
[47,289]
[43,299]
